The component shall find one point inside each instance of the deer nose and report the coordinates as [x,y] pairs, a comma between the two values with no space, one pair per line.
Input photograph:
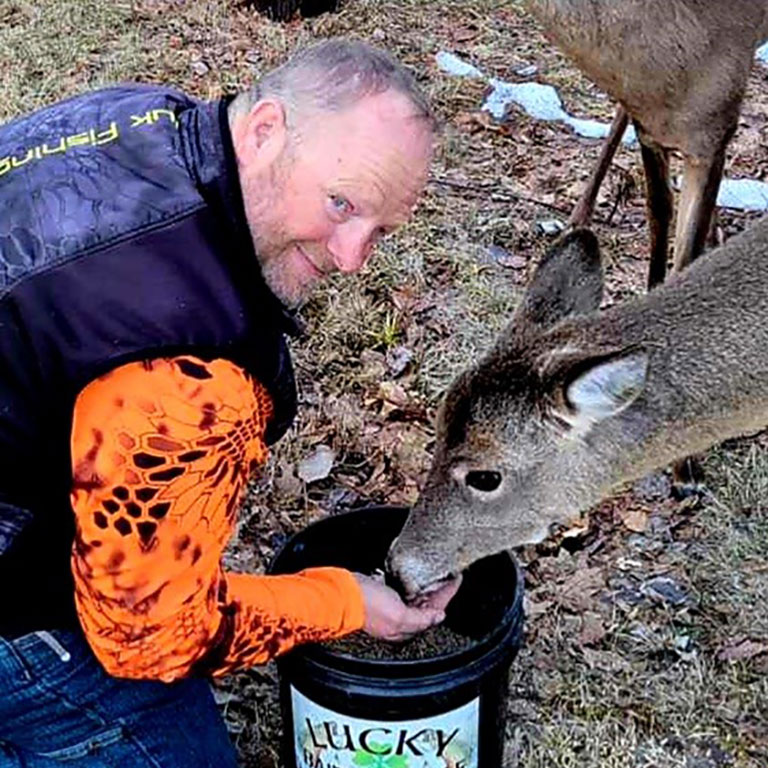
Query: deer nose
[393,581]
[404,570]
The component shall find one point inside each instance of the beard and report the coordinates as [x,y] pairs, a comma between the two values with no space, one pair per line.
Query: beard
[264,202]
[291,295]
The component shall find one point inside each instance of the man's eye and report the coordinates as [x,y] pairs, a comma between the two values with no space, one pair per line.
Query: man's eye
[340,204]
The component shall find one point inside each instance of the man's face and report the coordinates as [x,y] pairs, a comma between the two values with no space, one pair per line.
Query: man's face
[318,199]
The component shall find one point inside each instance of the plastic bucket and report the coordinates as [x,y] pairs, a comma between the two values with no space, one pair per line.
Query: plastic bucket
[444,711]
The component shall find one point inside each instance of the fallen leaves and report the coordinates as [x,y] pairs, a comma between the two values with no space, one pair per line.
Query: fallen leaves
[475,121]
[592,629]
[665,590]
[577,592]
[504,258]
[607,661]
[634,519]
[742,649]
[464,34]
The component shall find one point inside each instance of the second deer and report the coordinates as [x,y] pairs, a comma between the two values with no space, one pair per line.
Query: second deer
[679,70]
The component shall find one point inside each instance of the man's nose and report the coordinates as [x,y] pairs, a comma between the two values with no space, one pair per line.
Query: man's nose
[350,246]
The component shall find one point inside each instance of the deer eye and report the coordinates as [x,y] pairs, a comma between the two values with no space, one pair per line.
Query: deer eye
[483,480]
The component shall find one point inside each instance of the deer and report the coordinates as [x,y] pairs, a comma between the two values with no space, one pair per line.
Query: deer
[284,10]
[679,70]
[572,401]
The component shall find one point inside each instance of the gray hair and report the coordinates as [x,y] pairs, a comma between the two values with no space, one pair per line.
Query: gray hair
[333,75]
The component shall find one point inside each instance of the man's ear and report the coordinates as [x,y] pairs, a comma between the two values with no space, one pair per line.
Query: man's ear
[588,390]
[260,135]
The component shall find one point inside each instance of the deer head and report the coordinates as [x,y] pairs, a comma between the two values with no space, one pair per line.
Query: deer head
[527,438]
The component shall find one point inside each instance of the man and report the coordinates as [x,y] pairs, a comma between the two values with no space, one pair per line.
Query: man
[151,246]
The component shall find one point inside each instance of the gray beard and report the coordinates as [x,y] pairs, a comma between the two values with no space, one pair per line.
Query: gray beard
[272,274]
[259,199]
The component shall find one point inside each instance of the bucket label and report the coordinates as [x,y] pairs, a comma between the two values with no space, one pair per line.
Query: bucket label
[326,739]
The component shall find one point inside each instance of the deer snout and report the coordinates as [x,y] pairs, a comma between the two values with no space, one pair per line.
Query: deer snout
[415,572]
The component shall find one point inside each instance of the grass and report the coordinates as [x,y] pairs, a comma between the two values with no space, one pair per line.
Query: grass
[611,675]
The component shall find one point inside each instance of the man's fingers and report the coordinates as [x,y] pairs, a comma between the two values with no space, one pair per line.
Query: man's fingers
[388,618]
[418,619]
[413,623]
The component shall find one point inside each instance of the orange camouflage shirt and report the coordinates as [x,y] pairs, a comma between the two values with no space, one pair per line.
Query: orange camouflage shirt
[161,453]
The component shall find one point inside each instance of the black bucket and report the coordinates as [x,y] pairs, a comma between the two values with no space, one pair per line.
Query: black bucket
[444,711]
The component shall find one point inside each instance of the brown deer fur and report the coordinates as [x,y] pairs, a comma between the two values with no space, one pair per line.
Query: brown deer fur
[572,401]
[680,69]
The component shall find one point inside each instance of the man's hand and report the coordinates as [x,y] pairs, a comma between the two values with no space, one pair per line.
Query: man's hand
[388,617]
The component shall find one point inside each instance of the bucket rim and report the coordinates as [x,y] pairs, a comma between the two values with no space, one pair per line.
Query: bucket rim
[509,626]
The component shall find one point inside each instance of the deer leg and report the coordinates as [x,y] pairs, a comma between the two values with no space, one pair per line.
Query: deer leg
[715,236]
[688,479]
[658,206]
[585,208]
[701,181]
[700,184]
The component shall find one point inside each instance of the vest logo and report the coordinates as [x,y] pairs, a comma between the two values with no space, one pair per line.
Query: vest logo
[93,137]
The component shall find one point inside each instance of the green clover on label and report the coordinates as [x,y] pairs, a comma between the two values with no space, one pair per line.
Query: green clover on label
[379,760]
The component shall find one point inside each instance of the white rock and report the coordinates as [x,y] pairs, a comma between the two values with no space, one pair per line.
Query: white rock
[316,466]
[551,226]
[453,65]
[543,103]
[744,194]
[528,71]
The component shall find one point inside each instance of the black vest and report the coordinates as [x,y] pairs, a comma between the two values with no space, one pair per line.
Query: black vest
[122,237]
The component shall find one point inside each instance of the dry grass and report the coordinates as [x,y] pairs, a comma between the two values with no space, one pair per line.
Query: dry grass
[612,674]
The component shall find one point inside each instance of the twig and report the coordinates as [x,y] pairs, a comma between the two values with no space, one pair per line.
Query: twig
[505,196]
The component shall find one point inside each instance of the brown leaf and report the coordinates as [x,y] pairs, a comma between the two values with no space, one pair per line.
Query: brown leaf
[393,393]
[405,495]
[746,649]
[374,365]
[605,660]
[592,629]
[464,34]
[512,260]
[403,297]
[576,592]
[635,519]
[474,121]
[287,482]
[576,528]
[376,481]
[406,446]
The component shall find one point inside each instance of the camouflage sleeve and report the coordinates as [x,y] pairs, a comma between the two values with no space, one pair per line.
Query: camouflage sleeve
[161,452]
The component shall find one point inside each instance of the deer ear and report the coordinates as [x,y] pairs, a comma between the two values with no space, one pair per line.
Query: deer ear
[568,281]
[602,389]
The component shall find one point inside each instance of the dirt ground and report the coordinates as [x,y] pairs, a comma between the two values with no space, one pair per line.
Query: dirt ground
[647,639]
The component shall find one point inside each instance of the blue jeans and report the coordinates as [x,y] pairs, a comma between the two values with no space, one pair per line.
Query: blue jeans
[58,707]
